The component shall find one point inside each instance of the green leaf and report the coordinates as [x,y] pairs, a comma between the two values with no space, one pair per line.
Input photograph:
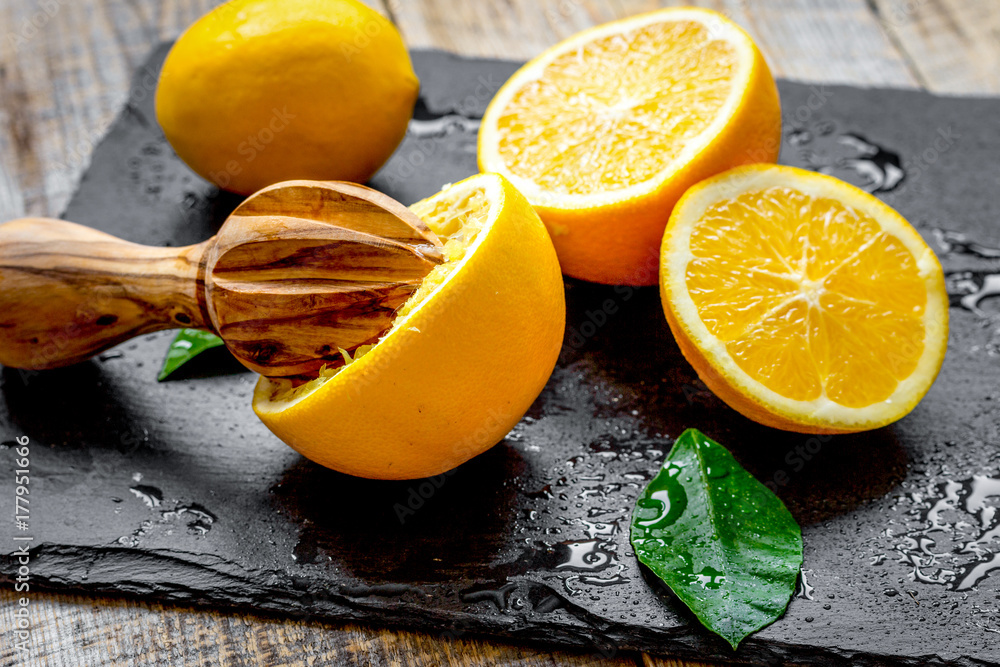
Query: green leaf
[188,344]
[722,542]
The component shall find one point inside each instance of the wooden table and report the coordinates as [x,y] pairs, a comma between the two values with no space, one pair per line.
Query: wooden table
[64,72]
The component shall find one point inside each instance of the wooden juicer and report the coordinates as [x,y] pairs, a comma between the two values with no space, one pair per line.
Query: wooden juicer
[297,271]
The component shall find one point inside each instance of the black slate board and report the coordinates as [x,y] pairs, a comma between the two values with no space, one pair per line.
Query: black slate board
[175,491]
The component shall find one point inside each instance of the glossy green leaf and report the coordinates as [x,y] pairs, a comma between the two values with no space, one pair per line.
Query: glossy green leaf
[188,344]
[721,540]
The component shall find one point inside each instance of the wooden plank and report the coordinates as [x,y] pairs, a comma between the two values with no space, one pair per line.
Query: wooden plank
[65,68]
[651,661]
[952,45]
[72,630]
[830,41]
[834,41]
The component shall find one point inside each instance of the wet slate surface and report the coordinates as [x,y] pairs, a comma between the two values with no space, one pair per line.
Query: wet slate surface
[175,491]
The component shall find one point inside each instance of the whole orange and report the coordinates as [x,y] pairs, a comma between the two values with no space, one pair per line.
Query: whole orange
[262,91]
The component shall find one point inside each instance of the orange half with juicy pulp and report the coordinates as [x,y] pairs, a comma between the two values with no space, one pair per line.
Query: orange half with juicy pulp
[803,302]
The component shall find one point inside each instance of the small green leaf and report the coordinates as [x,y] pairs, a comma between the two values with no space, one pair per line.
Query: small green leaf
[723,543]
[188,344]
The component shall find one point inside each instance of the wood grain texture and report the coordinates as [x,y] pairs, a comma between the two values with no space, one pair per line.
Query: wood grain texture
[69,292]
[653,661]
[65,68]
[953,45]
[64,74]
[834,41]
[74,631]
[299,271]
[303,269]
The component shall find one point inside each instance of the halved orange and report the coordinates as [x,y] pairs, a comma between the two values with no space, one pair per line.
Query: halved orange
[465,358]
[605,131]
[803,302]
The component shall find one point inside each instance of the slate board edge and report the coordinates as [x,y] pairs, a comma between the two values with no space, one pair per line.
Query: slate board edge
[336,608]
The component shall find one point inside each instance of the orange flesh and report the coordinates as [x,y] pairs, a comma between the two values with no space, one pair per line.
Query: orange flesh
[809,296]
[618,110]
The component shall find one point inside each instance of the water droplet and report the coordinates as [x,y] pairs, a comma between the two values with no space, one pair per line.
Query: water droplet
[957,513]
[199,527]
[799,137]
[544,492]
[665,503]
[597,581]
[150,495]
[595,529]
[968,288]
[709,578]
[586,555]
[857,160]
[439,127]
[825,128]
[716,472]
[203,519]
[802,589]
[961,244]
[497,596]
